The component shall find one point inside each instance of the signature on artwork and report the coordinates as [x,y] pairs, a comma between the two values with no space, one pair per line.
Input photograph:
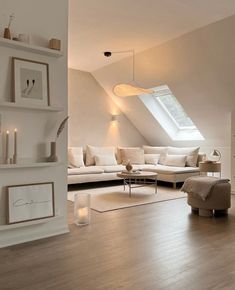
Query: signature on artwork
[22,202]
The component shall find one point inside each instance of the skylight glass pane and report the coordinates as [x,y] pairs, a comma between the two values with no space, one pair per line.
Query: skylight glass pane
[175,110]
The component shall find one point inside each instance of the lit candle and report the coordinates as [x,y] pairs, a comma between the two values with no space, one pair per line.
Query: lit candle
[7,147]
[15,147]
[83,215]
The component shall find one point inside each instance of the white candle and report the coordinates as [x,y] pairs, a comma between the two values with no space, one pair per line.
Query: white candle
[15,147]
[7,147]
[83,215]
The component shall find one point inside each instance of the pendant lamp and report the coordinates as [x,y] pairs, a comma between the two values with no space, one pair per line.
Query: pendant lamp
[126,90]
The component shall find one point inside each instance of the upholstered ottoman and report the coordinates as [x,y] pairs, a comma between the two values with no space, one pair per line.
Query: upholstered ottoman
[217,199]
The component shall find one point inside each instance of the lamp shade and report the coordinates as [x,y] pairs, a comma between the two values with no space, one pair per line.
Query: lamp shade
[216,153]
[125,90]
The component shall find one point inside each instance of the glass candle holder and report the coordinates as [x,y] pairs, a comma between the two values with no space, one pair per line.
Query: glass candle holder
[82,209]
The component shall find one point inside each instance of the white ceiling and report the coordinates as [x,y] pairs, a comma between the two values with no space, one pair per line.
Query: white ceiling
[99,25]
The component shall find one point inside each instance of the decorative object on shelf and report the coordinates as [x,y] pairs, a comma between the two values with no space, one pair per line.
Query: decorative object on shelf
[126,90]
[82,209]
[216,153]
[30,82]
[22,37]
[55,44]
[7,160]
[129,167]
[29,202]
[15,147]
[7,32]
[53,157]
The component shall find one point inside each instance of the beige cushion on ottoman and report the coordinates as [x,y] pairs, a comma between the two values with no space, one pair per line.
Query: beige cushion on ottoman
[219,200]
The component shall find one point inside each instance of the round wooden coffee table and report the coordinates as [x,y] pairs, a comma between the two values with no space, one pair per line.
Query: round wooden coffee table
[138,179]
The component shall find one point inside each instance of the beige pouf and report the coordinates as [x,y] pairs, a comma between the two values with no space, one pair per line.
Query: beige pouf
[218,201]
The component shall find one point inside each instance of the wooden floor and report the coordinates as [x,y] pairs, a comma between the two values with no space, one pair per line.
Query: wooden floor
[157,246]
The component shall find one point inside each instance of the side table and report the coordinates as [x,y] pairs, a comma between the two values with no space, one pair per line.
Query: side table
[210,167]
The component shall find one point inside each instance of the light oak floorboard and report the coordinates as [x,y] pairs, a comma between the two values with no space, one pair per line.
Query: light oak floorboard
[150,247]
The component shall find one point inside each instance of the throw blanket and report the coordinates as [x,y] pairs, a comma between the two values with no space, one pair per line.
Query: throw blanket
[201,186]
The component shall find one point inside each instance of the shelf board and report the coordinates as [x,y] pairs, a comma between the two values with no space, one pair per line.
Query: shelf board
[30,107]
[29,47]
[29,223]
[29,165]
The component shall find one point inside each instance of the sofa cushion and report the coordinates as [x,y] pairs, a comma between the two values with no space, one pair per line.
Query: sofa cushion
[92,151]
[156,150]
[163,169]
[191,152]
[134,155]
[75,157]
[118,153]
[105,160]
[151,158]
[115,168]
[175,160]
[85,170]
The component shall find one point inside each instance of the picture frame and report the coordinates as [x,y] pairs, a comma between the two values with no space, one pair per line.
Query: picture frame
[28,202]
[30,82]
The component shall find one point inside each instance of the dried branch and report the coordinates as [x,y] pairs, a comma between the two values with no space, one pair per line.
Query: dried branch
[61,127]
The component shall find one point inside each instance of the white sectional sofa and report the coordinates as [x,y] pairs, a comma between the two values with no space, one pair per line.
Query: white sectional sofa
[168,166]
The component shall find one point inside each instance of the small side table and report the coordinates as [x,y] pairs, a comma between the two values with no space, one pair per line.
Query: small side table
[210,167]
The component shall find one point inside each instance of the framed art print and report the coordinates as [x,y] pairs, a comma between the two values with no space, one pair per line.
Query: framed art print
[30,202]
[30,82]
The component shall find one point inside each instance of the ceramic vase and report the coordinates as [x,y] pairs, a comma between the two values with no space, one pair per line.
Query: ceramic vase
[53,157]
[7,33]
[129,167]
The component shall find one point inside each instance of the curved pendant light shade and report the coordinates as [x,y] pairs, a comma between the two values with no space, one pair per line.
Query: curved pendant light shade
[125,90]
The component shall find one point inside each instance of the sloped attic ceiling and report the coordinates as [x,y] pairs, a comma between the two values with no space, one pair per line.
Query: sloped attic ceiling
[199,69]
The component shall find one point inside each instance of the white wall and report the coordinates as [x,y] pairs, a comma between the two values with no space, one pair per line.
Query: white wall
[199,69]
[42,20]
[90,111]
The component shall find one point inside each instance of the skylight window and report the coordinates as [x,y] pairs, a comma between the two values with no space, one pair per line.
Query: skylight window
[170,114]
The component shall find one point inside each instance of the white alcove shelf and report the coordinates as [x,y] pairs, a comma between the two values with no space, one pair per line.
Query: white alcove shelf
[29,47]
[12,105]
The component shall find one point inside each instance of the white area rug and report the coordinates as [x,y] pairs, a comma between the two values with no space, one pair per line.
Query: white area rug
[113,198]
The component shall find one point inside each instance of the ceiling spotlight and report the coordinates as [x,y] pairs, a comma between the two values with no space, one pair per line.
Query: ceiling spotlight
[107,53]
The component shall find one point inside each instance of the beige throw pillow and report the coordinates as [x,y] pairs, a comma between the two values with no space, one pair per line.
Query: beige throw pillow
[151,158]
[105,160]
[119,157]
[134,155]
[156,150]
[190,152]
[92,151]
[75,157]
[175,160]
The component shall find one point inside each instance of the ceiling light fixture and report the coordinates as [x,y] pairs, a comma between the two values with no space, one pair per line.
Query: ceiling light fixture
[126,90]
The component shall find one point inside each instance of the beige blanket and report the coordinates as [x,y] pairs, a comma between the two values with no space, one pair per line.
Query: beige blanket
[201,186]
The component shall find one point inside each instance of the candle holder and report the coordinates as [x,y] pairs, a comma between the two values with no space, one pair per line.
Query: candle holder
[82,209]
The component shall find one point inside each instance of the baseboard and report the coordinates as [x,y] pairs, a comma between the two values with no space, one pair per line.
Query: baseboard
[28,238]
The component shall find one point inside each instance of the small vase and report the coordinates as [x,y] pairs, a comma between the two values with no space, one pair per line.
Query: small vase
[7,33]
[129,167]
[53,157]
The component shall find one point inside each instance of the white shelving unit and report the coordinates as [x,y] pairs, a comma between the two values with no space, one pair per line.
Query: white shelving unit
[29,47]
[29,223]
[29,165]
[31,107]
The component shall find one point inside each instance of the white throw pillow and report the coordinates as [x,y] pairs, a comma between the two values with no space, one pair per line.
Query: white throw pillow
[134,155]
[105,160]
[151,158]
[190,152]
[92,151]
[119,156]
[75,157]
[156,150]
[175,160]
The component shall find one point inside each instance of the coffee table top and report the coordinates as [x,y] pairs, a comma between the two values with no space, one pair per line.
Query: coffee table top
[139,174]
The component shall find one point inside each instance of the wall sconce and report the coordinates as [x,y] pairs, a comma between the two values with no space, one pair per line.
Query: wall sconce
[114,118]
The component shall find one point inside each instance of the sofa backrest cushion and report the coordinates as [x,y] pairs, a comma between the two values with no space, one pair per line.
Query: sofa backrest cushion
[92,151]
[105,160]
[118,153]
[175,160]
[190,152]
[132,155]
[75,157]
[156,150]
[151,158]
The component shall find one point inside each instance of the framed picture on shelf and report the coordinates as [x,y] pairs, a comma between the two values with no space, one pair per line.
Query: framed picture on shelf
[30,202]
[30,82]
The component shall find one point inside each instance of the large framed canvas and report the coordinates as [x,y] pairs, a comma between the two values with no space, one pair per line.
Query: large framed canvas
[30,82]
[30,202]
